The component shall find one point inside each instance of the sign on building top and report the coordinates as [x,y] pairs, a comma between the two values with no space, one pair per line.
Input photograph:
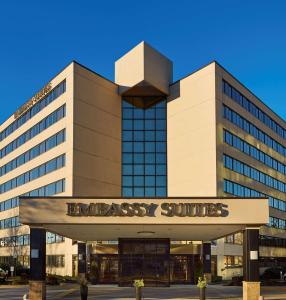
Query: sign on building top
[30,103]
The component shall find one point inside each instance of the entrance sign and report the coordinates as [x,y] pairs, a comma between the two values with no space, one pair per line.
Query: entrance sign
[147,210]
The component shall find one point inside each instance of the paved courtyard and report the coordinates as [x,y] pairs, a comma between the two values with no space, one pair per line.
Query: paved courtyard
[104,292]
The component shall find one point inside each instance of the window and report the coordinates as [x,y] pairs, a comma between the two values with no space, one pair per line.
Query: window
[56,261]
[52,238]
[238,143]
[37,172]
[35,130]
[144,147]
[270,241]
[236,238]
[48,190]
[231,261]
[253,109]
[238,190]
[12,241]
[32,153]
[248,127]
[248,171]
[277,223]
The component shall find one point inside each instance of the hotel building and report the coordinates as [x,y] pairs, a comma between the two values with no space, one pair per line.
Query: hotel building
[143,138]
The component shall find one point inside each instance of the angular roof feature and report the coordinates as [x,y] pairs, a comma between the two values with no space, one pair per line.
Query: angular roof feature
[144,74]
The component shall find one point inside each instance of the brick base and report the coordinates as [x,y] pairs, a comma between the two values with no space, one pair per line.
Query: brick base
[37,290]
[251,290]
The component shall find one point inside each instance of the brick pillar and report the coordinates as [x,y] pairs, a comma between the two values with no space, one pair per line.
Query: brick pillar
[37,283]
[251,283]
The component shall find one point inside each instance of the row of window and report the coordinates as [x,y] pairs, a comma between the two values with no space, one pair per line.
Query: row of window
[141,147]
[33,174]
[141,181]
[157,112]
[44,191]
[23,240]
[54,94]
[277,223]
[12,241]
[23,260]
[144,125]
[9,223]
[271,241]
[147,192]
[243,191]
[253,109]
[250,172]
[52,238]
[144,158]
[233,261]
[147,170]
[242,123]
[144,136]
[35,130]
[39,149]
[236,238]
[55,261]
[252,151]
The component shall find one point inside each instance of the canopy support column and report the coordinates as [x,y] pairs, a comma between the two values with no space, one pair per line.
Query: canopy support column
[37,283]
[251,283]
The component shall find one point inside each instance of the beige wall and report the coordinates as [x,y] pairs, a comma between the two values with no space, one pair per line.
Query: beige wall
[191,133]
[97,135]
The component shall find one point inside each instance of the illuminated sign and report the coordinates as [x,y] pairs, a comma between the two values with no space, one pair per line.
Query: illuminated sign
[147,209]
[43,92]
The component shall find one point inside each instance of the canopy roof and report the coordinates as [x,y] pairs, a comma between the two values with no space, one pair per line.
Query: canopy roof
[90,219]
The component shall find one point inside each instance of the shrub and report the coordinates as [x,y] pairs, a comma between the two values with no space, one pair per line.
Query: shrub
[202,282]
[52,279]
[216,278]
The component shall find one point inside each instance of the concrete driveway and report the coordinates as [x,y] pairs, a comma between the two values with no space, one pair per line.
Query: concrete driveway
[105,292]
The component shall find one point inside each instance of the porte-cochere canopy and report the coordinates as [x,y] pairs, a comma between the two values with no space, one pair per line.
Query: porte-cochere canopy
[90,219]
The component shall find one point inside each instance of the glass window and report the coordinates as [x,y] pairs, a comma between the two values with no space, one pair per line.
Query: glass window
[253,109]
[35,130]
[253,130]
[50,166]
[144,150]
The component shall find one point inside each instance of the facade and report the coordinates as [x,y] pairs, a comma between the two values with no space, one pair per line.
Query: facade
[142,136]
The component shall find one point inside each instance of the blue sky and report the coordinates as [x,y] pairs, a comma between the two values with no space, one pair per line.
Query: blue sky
[38,38]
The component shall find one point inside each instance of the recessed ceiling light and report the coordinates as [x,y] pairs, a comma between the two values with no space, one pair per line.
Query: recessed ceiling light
[146,233]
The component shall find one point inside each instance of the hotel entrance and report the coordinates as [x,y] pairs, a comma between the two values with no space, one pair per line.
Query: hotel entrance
[153,260]
[144,258]
[145,230]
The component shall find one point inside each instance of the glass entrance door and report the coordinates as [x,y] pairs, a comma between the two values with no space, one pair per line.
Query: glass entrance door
[183,268]
[144,258]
